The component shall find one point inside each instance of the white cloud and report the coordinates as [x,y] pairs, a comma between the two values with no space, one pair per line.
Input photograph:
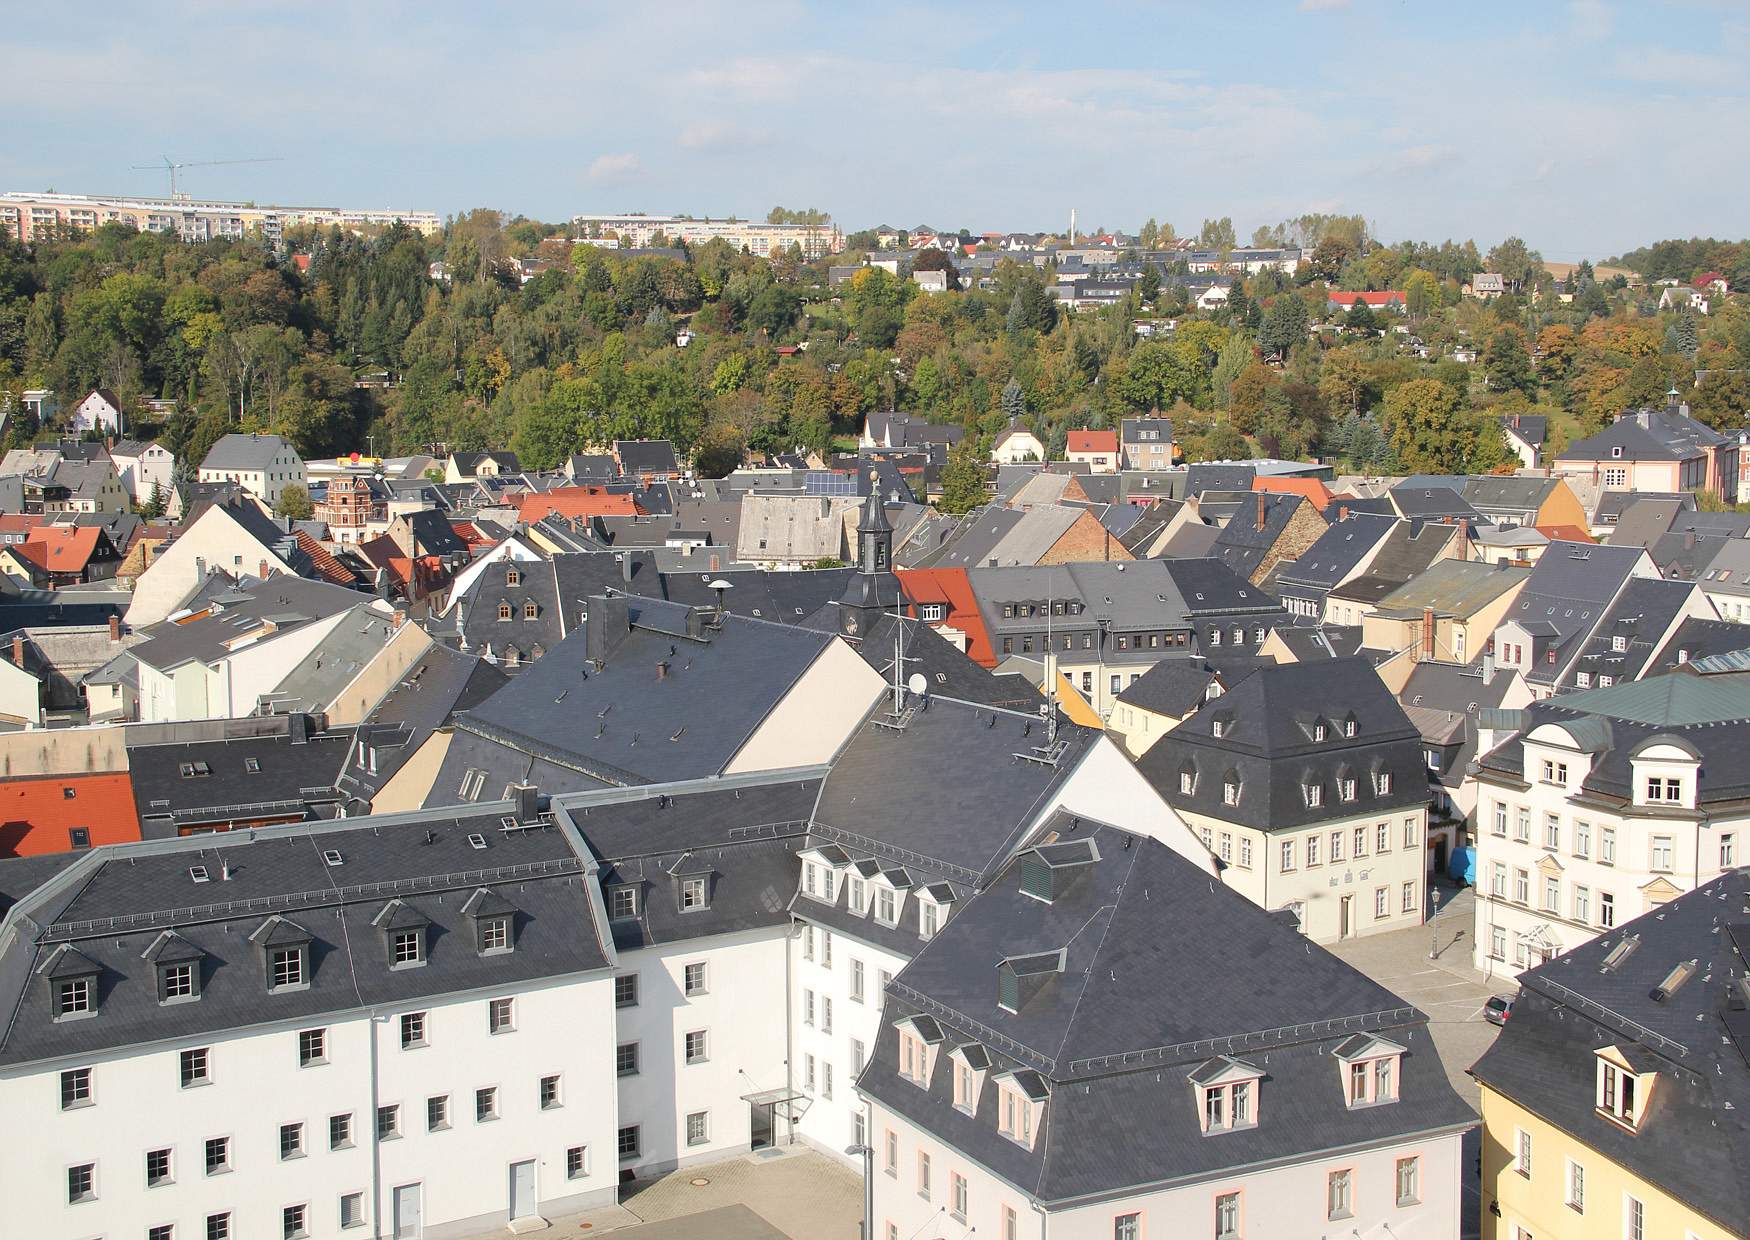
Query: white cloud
[1323,6]
[706,135]
[619,167]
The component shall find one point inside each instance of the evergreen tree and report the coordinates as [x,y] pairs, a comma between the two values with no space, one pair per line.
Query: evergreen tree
[1687,337]
[1285,326]
[962,481]
[1014,402]
[1149,286]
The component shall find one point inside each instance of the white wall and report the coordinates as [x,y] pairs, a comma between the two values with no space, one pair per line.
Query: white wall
[742,1013]
[1107,787]
[564,1028]
[1284,1203]
[214,538]
[813,719]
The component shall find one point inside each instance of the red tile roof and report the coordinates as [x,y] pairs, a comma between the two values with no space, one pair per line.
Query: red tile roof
[952,588]
[62,548]
[1387,298]
[37,815]
[1311,489]
[1565,533]
[575,502]
[323,562]
[1094,441]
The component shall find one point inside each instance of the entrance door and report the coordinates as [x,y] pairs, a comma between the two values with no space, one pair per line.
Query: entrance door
[407,1223]
[761,1123]
[1346,926]
[522,1189]
[1439,855]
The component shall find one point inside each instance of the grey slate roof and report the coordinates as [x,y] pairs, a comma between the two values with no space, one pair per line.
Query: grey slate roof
[1693,1142]
[285,602]
[1171,687]
[220,771]
[1568,591]
[1647,435]
[1335,554]
[1112,1038]
[639,456]
[425,859]
[1640,617]
[434,690]
[1268,722]
[1699,639]
[245,452]
[1408,551]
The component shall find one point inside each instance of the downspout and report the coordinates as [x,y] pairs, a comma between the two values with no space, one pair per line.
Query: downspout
[1044,1218]
[376,1137]
[789,1032]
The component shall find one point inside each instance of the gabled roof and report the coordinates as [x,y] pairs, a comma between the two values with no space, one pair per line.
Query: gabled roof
[1093,441]
[1668,434]
[245,452]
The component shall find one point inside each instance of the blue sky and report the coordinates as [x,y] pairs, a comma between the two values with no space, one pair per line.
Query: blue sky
[1588,127]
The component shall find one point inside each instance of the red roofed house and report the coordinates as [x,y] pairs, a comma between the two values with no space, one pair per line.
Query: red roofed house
[56,813]
[533,506]
[1312,490]
[1097,449]
[943,599]
[1390,299]
[65,554]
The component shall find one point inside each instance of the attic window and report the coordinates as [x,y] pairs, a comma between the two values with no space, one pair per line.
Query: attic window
[196,770]
[332,857]
[694,894]
[1314,795]
[1319,730]
[406,948]
[512,577]
[198,873]
[476,840]
[252,765]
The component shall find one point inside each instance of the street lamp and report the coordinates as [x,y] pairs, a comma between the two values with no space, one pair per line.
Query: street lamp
[1433,912]
[867,1154]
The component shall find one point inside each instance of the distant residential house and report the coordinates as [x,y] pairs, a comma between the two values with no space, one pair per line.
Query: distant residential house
[1098,450]
[1514,500]
[1486,285]
[68,554]
[931,281]
[1265,532]
[1147,443]
[100,411]
[263,465]
[1661,450]
[236,538]
[145,469]
[888,429]
[463,466]
[1525,434]
[1685,297]
[1390,299]
[647,460]
[1015,443]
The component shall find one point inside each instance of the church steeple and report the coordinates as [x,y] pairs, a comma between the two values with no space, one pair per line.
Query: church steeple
[873,588]
[874,535]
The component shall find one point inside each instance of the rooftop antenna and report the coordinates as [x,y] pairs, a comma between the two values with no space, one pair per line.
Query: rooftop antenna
[1050,677]
[1072,225]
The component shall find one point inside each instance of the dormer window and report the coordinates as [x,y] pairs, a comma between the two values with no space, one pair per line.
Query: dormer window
[1382,782]
[1320,731]
[971,1062]
[928,916]
[694,894]
[406,948]
[1314,795]
[177,982]
[857,895]
[504,611]
[1370,1069]
[1624,1083]
[512,577]
[886,906]
[919,1039]
[530,610]
[1187,779]
[1230,789]
[72,978]
[1350,727]
[1020,1099]
[1346,787]
[494,935]
[623,902]
[285,968]
[74,997]
[1218,728]
[1227,1094]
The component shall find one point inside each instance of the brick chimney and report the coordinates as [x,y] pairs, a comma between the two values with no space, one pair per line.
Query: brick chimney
[261,570]
[1427,632]
[115,628]
[1342,512]
[1464,539]
[18,650]
[1263,509]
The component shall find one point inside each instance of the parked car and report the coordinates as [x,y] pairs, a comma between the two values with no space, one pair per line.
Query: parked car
[1497,1009]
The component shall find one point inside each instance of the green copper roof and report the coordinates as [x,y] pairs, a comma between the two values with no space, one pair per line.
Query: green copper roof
[1677,699]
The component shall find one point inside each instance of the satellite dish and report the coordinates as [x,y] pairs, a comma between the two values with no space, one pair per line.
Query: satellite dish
[721,584]
[917,684]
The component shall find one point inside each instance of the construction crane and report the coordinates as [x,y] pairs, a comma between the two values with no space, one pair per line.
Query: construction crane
[173,168]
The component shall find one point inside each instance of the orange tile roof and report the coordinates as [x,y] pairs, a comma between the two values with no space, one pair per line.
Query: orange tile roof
[1312,490]
[37,816]
[1093,441]
[323,561]
[952,588]
[575,502]
[62,548]
[1564,533]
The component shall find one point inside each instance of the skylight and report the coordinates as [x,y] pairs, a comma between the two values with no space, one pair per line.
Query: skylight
[332,857]
[476,840]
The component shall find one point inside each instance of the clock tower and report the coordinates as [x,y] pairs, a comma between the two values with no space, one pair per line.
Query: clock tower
[873,589]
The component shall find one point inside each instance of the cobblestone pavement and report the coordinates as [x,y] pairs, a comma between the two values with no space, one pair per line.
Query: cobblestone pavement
[799,1192]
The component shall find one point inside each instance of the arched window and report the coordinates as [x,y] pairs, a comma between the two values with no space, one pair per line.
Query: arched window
[504,611]
[512,577]
[530,611]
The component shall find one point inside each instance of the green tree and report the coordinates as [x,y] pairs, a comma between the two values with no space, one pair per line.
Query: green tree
[1217,235]
[962,481]
[1507,363]
[1014,403]
[1360,318]
[1149,286]
[1157,373]
[1284,326]
[1425,428]
[294,502]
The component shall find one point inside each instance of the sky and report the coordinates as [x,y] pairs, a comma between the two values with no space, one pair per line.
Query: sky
[1587,127]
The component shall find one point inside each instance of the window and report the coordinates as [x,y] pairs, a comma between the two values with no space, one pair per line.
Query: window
[164,1231]
[957,1195]
[1522,825]
[1582,838]
[890,1149]
[1498,943]
[75,1088]
[406,948]
[923,1175]
[1337,1199]
[218,1155]
[1552,832]
[412,1030]
[858,1059]
[1500,818]
[81,1183]
[176,981]
[856,980]
[1382,837]
[549,1095]
[1522,886]
[1245,852]
[1576,1187]
[1634,1220]
[626,1059]
[340,1131]
[1498,880]
[352,1210]
[696,1128]
[1582,905]
[1227,1216]
[192,1068]
[807,1006]
[1522,1153]
[291,1141]
[927,915]
[826,1013]
[1227,846]
[1606,910]
[1661,852]
[808,942]
[1187,782]
[1336,846]
[219,1226]
[1408,903]
[437,1113]
[1552,895]
[1312,850]
[1409,1181]
[1015,1118]
[1360,842]
[494,935]
[886,908]
[1607,845]
[692,894]
[1728,853]
[312,1047]
[285,968]
[1616,1093]
[485,1104]
[623,902]
[501,1013]
[695,978]
[1287,857]
[577,1162]
[388,1122]
[158,1171]
[1382,902]
[1230,792]
[695,1046]
[73,997]
[1664,789]
[627,1142]
[1314,793]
